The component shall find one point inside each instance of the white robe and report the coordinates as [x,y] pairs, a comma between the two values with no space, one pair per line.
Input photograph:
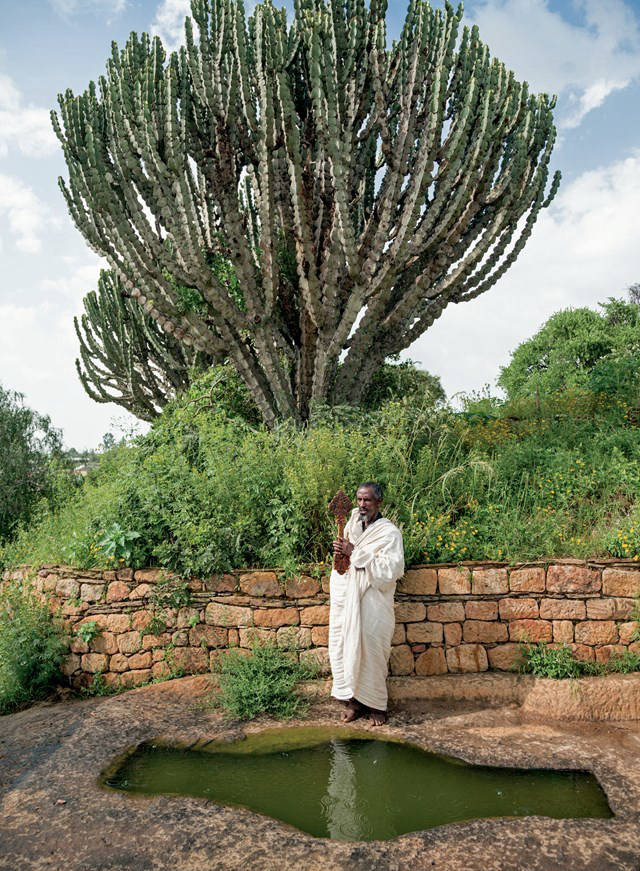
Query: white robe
[361,617]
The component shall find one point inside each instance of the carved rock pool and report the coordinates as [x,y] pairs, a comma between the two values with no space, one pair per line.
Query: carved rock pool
[350,787]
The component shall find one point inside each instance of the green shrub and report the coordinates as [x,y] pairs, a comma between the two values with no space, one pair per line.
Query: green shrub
[262,683]
[32,648]
[559,662]
[88,631]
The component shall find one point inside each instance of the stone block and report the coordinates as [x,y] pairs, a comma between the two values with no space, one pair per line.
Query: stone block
[119,662]
[253,636]
[530,630]
[421,582]
[320,636]
[635,648]
[399,634]
[480,631]
[180,638]
[209,636]
[562,578]
[149,642]
[91,592]
[160,670]
[582,651]
[452,582]
[227,615]
[112,680]
[527,580]
[621,582]
[109,575]
[234,637]
[158,655]
[505,657]
[604,654]
[303,587]
[186,616]
[629,631]
[452,634]
[410,612]
[129,642]
[104,643]
[326,585]
[221,584]
[68,588]
[141,619]
[623,608]
[50,583]
[150,576]
[432,661]
[596,632]
[118,623]
[467,658]
[73,610]
[192,660]
[446,612]
[273,618]
[518,609]
[318,656]
[418,648]
[142,591]
[562,631]
[401,660]
[316,615]
[301,637]
[141,660]
[489,581]
[94,662]
[135,678]
[260,584]
[71,664]
[124,574]
[117,591]
[479,610]
[425,633]
[77,645]
[600,609]
[562,609]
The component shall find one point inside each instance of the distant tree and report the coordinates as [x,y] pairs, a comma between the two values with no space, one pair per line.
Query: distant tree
[28,441]
[634,293]
[395,380]
[579,348]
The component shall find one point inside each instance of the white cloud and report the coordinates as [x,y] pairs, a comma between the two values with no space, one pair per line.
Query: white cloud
[27,128]
[66,8]
[26,214]
[583,64]
[169,22]
[584,249]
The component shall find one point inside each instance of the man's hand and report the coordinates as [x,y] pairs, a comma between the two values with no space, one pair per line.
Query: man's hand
[343,546]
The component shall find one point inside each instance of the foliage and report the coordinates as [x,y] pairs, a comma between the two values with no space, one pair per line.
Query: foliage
[580,348]
[116,543]
[99,687]
[262,683]
[32,647]
[559,662]
[304,197]
[28,442]
[170,593]
[88,631]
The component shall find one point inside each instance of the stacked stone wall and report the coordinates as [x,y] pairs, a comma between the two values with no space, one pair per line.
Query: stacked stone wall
[449,618]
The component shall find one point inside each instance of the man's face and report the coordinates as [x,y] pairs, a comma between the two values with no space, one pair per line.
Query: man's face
[368,505]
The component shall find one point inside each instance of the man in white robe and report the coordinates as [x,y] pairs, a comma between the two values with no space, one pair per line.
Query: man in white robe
[361,617]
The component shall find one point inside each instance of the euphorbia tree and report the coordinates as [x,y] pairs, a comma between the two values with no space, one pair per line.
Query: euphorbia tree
[318,195]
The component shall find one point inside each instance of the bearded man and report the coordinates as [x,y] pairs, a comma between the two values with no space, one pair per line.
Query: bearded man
[361,616]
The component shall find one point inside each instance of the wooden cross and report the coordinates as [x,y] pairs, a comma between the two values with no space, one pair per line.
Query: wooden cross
[340,506]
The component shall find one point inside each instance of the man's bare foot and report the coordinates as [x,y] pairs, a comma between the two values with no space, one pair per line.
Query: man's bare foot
[352,710]
[378,718]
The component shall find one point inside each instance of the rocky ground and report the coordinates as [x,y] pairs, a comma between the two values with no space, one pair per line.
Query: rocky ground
[55,815]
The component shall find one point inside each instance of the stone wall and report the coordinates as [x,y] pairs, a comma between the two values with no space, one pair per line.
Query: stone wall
[449,618]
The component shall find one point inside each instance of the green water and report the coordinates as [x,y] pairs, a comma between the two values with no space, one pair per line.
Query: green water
[356,789]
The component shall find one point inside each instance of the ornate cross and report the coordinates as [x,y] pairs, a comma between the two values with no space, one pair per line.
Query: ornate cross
[340,506]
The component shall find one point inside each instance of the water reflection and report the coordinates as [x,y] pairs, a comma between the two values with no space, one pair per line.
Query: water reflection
[341,809]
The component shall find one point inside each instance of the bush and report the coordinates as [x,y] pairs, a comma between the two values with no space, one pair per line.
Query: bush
[32,648]
[559,662]
[262,683]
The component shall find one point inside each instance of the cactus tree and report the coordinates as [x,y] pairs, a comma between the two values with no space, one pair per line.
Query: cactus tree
[125,357]
[317,197]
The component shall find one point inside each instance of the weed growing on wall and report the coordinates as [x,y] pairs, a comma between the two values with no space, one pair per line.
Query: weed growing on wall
[32,648]
[262,683]
[559,663]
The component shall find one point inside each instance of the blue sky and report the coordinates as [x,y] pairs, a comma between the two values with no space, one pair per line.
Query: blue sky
[585,248]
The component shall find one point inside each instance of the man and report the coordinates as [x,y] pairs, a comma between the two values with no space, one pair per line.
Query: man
[361,616]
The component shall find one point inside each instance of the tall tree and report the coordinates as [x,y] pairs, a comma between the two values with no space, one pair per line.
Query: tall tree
[125,357]
[353,189]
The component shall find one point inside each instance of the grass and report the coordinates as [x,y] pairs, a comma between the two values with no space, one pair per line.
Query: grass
[559,663]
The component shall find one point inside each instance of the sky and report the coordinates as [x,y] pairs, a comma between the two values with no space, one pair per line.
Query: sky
[584,248]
